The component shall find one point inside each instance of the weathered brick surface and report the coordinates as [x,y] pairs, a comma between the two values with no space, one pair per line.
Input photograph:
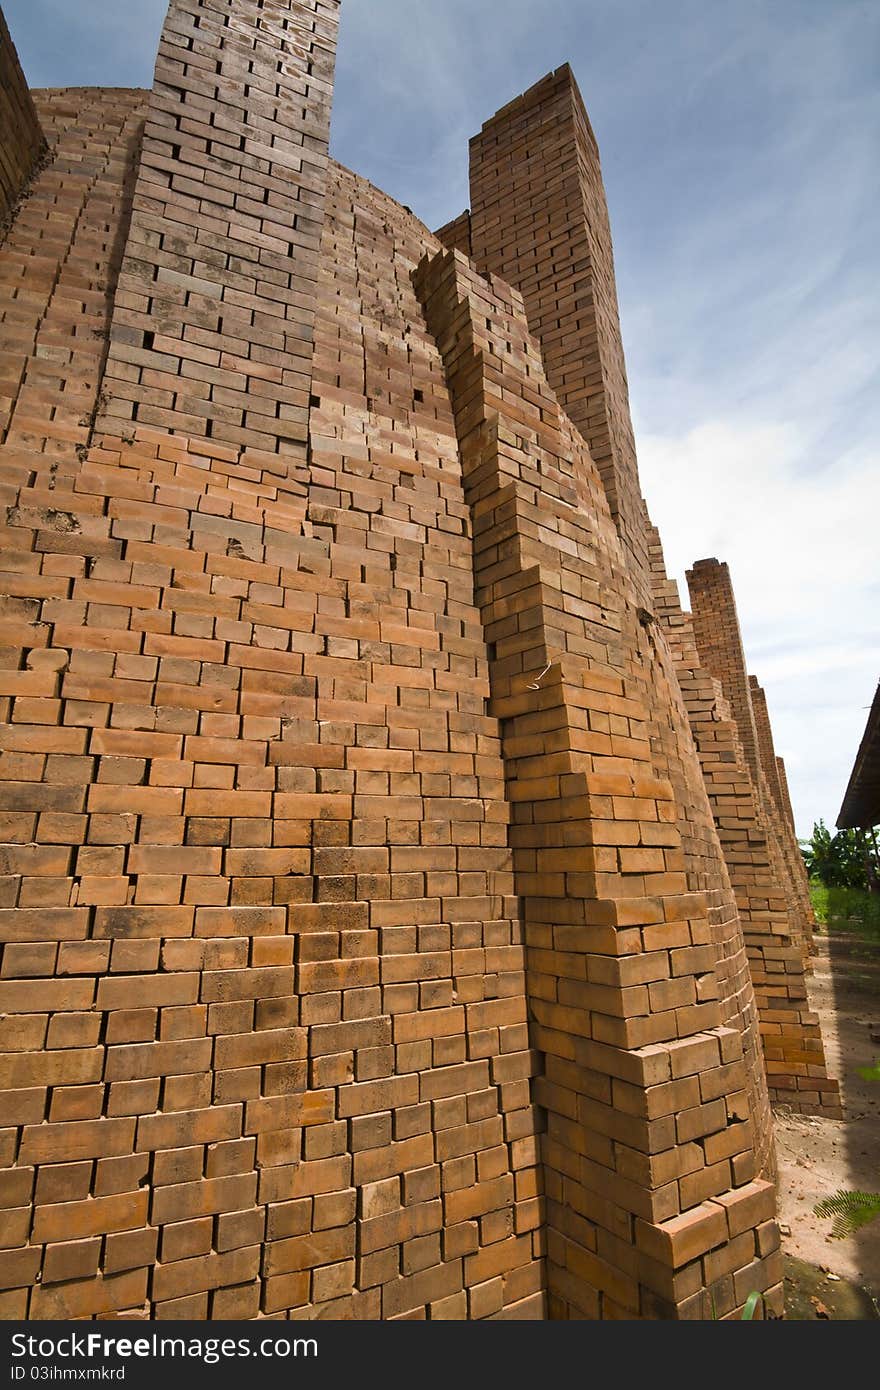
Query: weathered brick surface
[369,947]
[277,829]
[60,263]
[22,142]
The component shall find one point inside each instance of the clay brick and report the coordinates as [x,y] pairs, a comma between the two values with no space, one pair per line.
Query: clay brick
[77,1259]
[189,1127]
[157,1059]
[95,1216]
[205,1272]
[747,1206]
[683,1238]
[78,1139]
[309,1251]
[184,1201]
[129,1250]
[19,1268]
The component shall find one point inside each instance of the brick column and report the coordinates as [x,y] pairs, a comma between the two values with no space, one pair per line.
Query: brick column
[648,1160]
[213,322]
[766,751]
[539,219]
[768,883]
[786,797]
[719,641]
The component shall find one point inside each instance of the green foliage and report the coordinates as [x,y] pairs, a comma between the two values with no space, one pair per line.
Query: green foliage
[838,861]
[847,909]
[749,1308]
[870,1073]
[850,1210]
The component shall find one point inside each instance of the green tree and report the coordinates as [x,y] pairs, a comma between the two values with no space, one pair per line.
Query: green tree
[838,861]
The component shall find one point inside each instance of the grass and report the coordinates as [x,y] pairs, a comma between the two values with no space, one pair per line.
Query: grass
[847,909]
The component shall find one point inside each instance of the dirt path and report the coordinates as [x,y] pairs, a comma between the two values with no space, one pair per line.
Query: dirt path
[817,1157]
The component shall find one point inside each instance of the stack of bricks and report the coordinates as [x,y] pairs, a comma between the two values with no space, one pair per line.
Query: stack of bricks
[369,947]
[706,864]
[648,1155]
[782,779]
[766,889]
[765,865]
[60,267]
[539,218]
[456,235]
[218,283]
[779,806]
[757,835]
[22,143]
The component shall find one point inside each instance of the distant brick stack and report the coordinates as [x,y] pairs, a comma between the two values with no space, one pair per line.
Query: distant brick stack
[765,864]
[773,771]
[374,940]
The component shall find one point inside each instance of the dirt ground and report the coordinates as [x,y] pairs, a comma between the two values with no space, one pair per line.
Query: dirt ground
[817,1157]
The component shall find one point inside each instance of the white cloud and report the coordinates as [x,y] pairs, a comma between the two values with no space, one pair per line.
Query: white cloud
[802,549]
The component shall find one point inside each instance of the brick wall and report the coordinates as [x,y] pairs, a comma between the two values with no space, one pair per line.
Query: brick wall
[266,1043]
[22,142]
[701,707]
[61,263]
[456,235]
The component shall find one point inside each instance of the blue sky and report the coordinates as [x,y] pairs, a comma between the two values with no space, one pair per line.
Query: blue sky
[740,149]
